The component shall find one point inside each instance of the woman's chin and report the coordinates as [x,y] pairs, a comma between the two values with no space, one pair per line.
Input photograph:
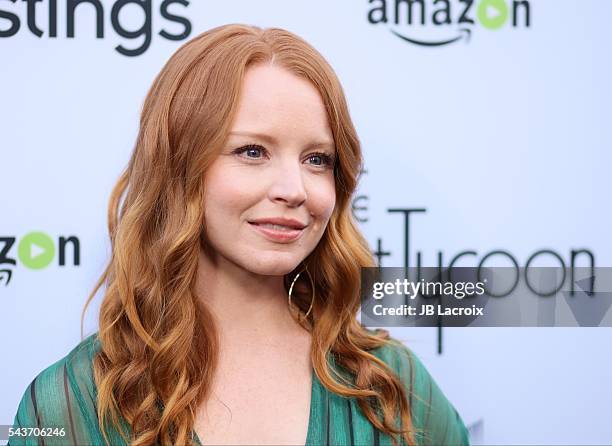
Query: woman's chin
[273,266]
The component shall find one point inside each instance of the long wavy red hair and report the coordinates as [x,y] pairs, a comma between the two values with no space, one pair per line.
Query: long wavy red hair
[158,350]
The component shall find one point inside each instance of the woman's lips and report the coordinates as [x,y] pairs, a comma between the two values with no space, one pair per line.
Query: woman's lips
[277,233]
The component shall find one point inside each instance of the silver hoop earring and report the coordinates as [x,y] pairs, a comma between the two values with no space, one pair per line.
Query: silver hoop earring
[313,291]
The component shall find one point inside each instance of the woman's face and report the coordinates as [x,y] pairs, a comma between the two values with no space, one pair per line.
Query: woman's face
[271,191]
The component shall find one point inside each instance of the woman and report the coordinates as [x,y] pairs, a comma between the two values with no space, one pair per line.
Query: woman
[229,314]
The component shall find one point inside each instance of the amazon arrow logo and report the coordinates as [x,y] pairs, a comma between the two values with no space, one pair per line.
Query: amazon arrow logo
[422,22]
[463,33]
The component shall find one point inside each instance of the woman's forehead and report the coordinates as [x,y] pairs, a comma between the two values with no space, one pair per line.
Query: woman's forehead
[274,101]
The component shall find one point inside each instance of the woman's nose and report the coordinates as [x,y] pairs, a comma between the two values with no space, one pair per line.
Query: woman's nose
[287,186]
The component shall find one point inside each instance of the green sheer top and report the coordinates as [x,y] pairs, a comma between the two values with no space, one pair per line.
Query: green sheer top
[63,396]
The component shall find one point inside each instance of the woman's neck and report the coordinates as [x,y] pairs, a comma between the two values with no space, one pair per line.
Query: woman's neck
[247,307]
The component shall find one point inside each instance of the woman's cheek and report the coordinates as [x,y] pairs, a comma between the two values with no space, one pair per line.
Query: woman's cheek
[323,201]
[232,186]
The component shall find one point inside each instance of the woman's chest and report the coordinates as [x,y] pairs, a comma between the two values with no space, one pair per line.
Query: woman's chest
[264,401]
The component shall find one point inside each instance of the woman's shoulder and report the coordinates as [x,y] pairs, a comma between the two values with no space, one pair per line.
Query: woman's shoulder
[435,418]
[399,357]
[62,395]
[74,369]
[408,367]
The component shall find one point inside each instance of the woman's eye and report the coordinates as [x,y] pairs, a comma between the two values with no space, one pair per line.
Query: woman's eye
[320,159]
[257,152]
[251,151]
[316,159]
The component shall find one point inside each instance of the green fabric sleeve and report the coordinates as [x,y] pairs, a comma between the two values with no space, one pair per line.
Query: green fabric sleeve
[61,397]
[435,420]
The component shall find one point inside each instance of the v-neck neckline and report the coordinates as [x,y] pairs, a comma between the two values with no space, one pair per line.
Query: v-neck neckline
[314,390]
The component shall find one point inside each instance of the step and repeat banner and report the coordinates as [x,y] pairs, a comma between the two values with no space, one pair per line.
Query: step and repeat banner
[486,130]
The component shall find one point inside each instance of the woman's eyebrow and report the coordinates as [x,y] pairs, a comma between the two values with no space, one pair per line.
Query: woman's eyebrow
[272,140]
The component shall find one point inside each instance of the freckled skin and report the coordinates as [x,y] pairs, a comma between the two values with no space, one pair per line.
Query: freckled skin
[282,178]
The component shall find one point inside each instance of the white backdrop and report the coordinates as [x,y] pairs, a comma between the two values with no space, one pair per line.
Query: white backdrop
[504,138]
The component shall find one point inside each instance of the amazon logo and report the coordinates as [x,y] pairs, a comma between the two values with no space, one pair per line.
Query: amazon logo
[36,251]
[434,23]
